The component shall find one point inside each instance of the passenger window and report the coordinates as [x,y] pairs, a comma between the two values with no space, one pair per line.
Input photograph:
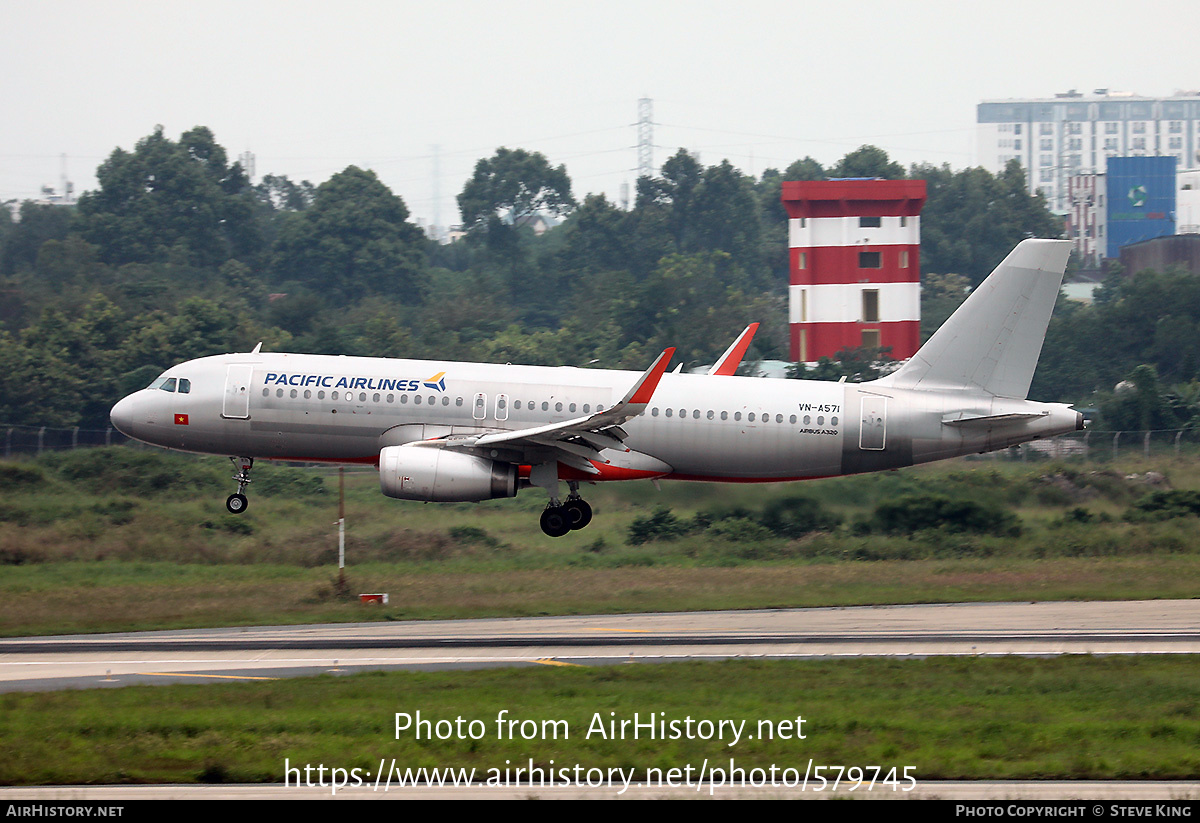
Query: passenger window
[654,412]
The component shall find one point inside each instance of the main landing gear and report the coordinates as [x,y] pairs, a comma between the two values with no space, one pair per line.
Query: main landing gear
[237,503]
[560,518]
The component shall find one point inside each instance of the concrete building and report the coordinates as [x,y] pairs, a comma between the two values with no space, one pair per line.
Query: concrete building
[855,250]
[1074,133]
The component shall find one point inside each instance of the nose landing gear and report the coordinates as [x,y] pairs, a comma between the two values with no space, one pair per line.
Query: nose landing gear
[237,503]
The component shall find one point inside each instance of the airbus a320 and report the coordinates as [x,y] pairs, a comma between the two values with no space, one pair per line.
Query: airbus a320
[446,431]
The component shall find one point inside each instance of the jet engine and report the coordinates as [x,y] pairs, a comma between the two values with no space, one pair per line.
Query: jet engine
[439,475]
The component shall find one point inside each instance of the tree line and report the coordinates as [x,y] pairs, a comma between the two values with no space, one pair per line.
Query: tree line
[178,255]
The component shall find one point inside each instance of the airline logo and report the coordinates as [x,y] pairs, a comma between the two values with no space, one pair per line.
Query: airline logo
[330,381]
[181,420]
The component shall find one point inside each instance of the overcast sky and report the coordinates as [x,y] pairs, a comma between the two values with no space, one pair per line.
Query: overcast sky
[311,87]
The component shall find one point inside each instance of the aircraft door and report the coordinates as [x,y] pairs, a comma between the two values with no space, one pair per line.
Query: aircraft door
[479,409]
[502,407]
[872,433]
[237,392]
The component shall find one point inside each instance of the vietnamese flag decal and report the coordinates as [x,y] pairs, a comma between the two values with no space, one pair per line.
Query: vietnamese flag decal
[181,420]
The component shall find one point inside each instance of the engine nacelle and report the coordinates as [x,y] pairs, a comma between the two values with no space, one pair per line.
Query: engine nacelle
[443,475]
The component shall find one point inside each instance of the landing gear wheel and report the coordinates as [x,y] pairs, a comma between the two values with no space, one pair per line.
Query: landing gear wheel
[555,521]
[578,512]
[237,502]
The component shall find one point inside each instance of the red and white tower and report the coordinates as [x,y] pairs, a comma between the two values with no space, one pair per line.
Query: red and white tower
[855,266]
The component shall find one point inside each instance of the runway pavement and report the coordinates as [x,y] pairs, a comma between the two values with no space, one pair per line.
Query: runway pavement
[217,655]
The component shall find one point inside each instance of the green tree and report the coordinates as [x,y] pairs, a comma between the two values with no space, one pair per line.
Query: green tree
[972,219]
[165,194]
[1138,403]
[516,183]
[20,242]
[868,161]
[354,240]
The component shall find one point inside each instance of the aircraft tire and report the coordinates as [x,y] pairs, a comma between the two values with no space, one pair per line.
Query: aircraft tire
[555,521]
[578,512]
[237,503]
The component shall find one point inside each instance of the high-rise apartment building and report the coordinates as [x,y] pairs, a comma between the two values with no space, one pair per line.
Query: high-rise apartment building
[1073,133]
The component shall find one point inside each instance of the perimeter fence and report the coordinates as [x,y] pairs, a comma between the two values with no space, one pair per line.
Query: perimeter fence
[1090,445]
[30,441]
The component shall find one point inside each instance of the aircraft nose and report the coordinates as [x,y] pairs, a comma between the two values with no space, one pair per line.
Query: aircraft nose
[122,416]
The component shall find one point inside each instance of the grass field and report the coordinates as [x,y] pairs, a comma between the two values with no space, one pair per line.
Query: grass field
[122,539]
[1072,717]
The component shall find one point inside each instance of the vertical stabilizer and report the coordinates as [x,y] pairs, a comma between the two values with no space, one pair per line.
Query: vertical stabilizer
[992,342]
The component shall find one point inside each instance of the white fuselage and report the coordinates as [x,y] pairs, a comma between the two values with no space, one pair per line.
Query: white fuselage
[696,427]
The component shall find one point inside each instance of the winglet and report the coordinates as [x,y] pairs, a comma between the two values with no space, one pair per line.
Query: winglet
[643,390]
[732,358]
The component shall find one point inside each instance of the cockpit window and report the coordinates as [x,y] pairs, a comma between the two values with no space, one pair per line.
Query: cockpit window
[169,383]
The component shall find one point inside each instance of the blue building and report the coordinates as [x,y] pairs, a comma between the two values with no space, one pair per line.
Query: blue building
[1141,200]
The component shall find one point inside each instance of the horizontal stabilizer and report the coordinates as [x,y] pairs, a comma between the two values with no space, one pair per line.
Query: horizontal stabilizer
[986,420]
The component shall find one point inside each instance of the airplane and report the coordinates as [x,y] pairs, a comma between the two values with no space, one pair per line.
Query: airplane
[450,432]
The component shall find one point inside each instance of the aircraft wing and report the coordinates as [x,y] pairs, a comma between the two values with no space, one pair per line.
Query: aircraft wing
[579,441]
[732,358]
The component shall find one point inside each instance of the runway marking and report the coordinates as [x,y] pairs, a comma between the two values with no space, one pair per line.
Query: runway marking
[219,676]
[549,661]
